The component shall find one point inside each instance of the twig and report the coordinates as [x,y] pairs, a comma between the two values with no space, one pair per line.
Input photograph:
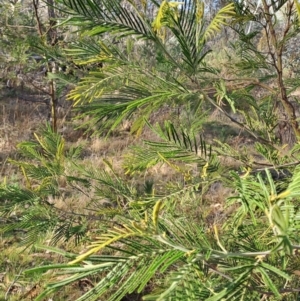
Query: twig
[88,216]
[240,124]
[35,6]
[274,167]
[10,286]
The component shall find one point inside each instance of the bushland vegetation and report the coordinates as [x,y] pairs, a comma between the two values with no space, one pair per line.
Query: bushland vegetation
[149,150]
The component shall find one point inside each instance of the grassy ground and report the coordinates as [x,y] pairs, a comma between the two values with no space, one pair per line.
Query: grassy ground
[19,120]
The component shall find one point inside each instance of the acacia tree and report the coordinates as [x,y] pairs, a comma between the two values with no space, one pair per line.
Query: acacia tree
[30,49]
[48,36]
[250,256]
[180,77]
[156,246]
[172,50]
[265,48]
[15,23]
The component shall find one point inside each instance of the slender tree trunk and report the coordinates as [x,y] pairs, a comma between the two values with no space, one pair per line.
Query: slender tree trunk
[49,38]
[287,117]
[52,40]
[52,32]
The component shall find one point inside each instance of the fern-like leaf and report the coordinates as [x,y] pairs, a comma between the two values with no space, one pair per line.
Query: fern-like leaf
[221,18]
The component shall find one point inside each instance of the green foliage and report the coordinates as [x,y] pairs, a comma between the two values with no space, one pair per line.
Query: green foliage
[253,253]
[48,150]
[51,177]
[132,87]
[28,208]
[240,259]
[175,147]
[170,242]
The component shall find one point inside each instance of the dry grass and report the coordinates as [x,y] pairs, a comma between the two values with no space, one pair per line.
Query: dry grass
[19,122]
[19,119]
[14,260]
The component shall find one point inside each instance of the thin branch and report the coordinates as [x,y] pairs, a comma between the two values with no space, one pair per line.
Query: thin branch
[240,124]
[35,7]
[19,26]
[288,26]
[269,166]
[88,216]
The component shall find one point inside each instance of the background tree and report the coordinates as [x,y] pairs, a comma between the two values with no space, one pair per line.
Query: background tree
[31,52]
[266,49]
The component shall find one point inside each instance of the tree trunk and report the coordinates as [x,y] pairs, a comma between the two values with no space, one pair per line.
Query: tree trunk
[52,32]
